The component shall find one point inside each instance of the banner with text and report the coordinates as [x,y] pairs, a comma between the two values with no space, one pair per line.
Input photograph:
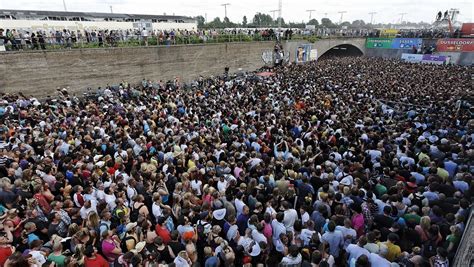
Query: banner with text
[379,43]
[435,59]
[419,58]
[406,43]
[455,45]
[412,58]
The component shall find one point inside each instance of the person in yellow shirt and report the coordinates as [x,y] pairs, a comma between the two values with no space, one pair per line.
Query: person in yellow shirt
[394,251]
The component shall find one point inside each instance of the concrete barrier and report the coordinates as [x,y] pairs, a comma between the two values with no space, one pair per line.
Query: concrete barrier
[40,73]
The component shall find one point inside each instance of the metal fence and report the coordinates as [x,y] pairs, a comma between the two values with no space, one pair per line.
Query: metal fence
[53,43]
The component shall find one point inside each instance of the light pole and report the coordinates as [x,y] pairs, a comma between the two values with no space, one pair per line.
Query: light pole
[342,14]
[64,4]
[372,17]
[310,12]
[225,9]
[401,18]
[111,10]
[273,13]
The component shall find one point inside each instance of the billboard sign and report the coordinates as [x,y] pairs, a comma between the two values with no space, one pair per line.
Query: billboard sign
[455,45]
[406,43]
[434,59]
[467,29]
[303,53]
[378,43]
[419,58]
[412,58]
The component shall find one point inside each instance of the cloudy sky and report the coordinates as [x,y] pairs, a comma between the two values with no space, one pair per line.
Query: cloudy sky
[293,10]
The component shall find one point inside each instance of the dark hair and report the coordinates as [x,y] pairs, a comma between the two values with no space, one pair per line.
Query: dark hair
[331,226]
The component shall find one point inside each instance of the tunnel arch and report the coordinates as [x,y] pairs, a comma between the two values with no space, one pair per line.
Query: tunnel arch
[342,50]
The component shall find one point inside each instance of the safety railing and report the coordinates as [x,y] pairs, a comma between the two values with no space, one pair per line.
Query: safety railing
[55,43]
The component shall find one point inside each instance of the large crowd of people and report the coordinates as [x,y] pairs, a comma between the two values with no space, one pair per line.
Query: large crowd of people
[342,162]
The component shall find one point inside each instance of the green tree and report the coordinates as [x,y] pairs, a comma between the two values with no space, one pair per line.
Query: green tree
[216,23]
[325,22]
[358,23]
[200,20]
[313,22]
[261,19]
[244,21]
[345,23]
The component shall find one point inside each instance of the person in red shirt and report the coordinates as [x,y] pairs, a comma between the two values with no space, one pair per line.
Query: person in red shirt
[162,231]
[93,259]
[6,250]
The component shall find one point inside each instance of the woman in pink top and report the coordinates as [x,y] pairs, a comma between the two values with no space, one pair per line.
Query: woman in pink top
[267,229]
[110,246]
[358,220]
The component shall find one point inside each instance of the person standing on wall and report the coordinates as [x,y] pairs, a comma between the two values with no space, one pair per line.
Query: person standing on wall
[145,36]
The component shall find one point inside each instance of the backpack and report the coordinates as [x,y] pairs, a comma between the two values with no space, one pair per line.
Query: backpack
[135,213]
[429,248]
[123,242]
[417,200]
[200,229]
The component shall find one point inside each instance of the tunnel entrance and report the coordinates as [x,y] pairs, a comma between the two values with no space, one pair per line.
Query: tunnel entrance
[344,50]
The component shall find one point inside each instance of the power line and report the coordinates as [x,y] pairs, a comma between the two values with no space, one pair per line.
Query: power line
[273,15]
[372,17]
[225,9]
[310,12]
[342,14]
[401,18]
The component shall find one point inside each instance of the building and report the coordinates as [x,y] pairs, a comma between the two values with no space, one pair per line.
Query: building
[59,20]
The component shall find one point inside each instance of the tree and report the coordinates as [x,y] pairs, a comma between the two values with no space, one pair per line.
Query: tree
[200,20]
[313,22]
[345,23]
[244,21]
[216,23]
[325,22]
[358,23]
[262,19]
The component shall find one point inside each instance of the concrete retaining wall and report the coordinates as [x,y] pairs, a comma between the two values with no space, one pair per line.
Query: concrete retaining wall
[40,73]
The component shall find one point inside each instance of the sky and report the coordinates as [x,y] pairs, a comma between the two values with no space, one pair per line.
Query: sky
[388,11]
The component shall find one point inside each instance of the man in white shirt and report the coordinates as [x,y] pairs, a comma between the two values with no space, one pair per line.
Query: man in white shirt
[356,250]
[348,233]
[278,228]
[378,259]
[290,216]
[89,206]
[145,36]
[222,184]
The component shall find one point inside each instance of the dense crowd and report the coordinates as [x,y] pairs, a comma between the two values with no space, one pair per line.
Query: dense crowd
[343,162]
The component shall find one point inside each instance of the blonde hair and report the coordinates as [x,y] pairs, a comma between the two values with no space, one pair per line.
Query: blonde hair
[425,223]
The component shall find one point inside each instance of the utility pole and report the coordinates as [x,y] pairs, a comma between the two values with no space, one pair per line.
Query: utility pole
[325,14]
[342,14]
[64,4]
[401,18]
[279,15]
[273,13]
[225,9]
[372,17]
[111,10]
[310,12]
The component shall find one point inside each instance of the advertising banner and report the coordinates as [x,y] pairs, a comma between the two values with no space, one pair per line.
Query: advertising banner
[455,45]
[303,53]
[313,55]
[389,33]
[413,58]
[419,58]
[467,30]
[434,59]
[379,43]
[406,43]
